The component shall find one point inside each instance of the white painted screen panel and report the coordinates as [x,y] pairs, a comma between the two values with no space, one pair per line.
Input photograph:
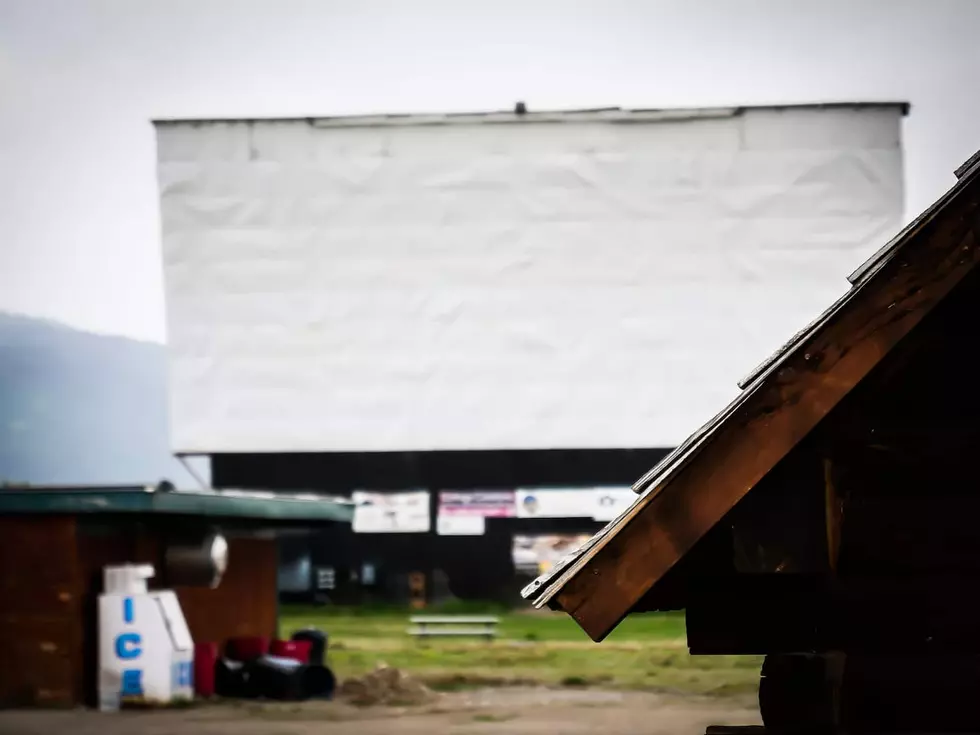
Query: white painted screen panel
[577,284]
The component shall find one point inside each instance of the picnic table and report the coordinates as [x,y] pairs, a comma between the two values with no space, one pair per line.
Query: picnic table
[474,626]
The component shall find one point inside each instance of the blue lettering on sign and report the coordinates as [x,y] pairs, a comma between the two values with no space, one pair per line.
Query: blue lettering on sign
[128,645]
[128,610]
[132,683]
[181,675]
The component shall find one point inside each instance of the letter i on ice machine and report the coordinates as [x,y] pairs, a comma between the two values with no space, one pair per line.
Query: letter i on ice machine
[145,649]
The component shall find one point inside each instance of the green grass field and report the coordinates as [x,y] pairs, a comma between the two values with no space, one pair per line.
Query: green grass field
[645,652]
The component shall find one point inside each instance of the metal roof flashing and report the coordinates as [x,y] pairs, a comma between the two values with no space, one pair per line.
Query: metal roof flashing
[600,114]
[155,500]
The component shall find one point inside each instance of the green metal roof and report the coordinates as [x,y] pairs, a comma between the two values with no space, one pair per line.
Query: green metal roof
[150,500]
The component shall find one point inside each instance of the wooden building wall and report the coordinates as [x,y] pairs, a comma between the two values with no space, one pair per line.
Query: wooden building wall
[40,612]
[50,579]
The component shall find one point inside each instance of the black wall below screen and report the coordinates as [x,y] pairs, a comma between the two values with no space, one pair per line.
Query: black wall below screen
[345,471]
[476,567]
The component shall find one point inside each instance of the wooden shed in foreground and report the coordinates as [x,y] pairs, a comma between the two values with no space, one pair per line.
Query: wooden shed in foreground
[829,518]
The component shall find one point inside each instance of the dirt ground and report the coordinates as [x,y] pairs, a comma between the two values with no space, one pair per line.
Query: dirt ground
[515,711]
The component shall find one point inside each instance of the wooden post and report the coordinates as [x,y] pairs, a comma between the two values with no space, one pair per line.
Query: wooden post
[416,590]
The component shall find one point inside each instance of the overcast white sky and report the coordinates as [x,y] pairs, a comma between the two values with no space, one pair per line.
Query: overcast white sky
[80,81]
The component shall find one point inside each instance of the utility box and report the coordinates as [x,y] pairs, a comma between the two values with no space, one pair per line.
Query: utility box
[146,653]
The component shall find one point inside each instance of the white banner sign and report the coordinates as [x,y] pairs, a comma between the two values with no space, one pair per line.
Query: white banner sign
[485,503]
[461,525]
[555,503]
[599,503]
[611,501]
[405,512]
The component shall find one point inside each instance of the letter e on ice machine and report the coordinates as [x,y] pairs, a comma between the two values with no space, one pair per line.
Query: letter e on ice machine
[145,648]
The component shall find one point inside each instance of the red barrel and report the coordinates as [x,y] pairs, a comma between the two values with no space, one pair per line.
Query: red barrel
[205,659]
[296,650]
[246,648]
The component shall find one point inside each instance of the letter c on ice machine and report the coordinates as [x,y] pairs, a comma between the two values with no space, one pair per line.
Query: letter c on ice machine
[145,648]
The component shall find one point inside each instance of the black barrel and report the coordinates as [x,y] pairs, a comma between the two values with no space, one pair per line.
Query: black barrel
[274,677]
[318,641]
[319,682]
[231,679]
